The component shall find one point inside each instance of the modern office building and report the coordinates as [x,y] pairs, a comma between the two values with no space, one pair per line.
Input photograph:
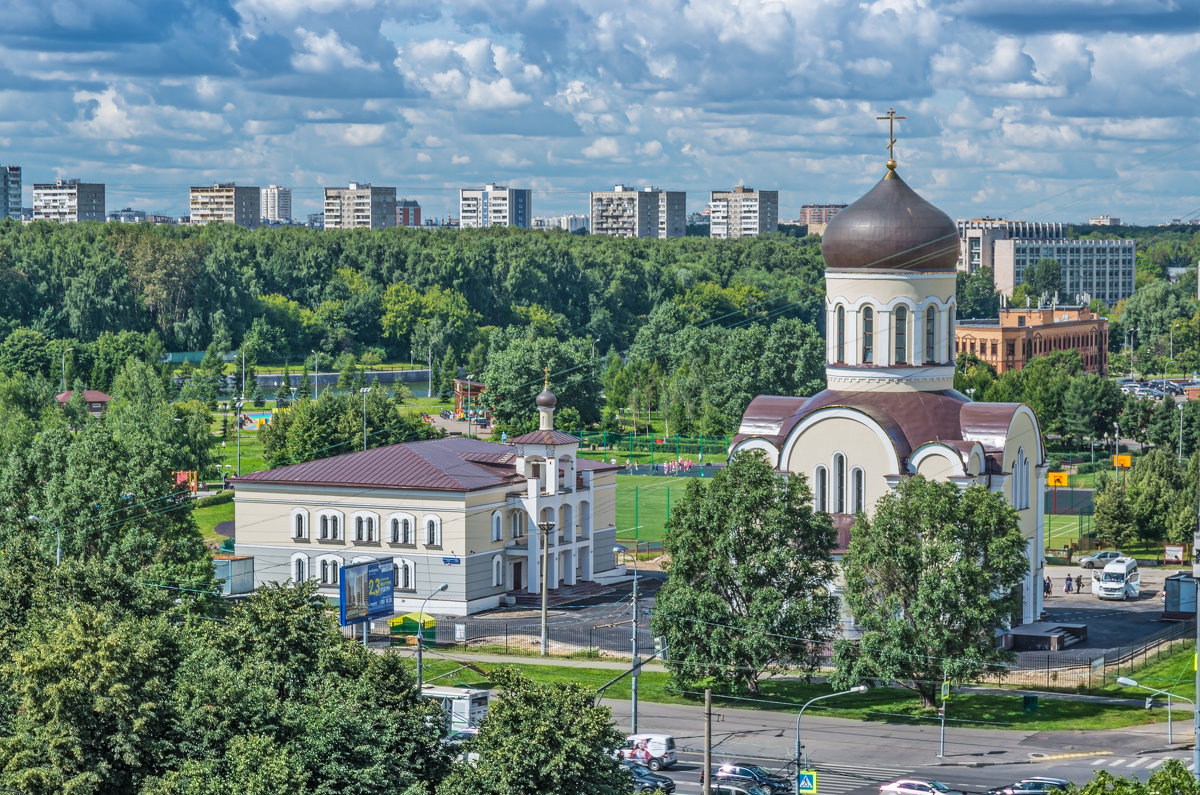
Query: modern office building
[127,215]
[276,205]
[629,212]
[818,214]
[68,201]
[10,192]
[408,212]
[1020,333]
[360,205]
[1104,220]
[494,205]
[1090,268]
[226,202]
[977,238]
[743,212]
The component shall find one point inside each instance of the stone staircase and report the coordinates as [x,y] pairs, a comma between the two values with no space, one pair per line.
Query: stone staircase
[562,595]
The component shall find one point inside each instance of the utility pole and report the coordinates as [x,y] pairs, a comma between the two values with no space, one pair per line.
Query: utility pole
[429,354]
[633,682]
[706,774]
[316,377]
[546,529]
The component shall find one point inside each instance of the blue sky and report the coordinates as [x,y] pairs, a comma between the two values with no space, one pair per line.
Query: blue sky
[1016,108]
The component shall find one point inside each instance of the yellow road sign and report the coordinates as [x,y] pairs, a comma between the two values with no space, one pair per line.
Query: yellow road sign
[1056,478]
[806,782]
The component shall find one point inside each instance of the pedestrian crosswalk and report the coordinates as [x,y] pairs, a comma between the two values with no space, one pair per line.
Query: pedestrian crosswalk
[1138,762]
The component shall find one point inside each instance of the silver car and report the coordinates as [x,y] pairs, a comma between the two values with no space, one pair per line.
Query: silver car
[1097,560]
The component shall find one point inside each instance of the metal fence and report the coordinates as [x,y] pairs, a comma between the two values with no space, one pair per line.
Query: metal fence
[522,637]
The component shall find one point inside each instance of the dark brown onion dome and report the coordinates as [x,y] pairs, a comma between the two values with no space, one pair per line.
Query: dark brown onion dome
[546,399]
[891,228]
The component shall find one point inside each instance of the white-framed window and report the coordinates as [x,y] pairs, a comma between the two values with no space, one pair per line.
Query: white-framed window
[517,524]
[330,526]
[299,523]
[364,528]
[497,571]
[1020,473]
[930,334]
[328,569]
[401,529]
[868,335]
[433,530]
[901,335]
[497,526]
[857,490]
[299,568]
[841,334]
[821,489]
[404,572]
[839,483]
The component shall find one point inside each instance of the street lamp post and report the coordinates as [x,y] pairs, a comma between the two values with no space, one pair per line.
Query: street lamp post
[58,538]
[316,376]
[292,389]
[364,392]
[1116,451]
[237,406]
[64,368]
[803,765]
[546,528]
[594,358]
[633,681]
[469,377]
[1125,681]
[1180,407]
[421,634]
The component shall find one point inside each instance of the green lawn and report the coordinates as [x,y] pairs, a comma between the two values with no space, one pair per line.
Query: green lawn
[209,517]
[649,496]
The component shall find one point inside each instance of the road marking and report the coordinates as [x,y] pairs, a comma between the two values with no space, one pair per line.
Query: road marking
[1156,763]
[1078,755]
[1138,762]
[1115,763]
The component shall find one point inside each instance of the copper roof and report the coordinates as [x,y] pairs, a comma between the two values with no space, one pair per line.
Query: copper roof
[545,437]
[891,228]
[910,419]
[89,396]
[453,464]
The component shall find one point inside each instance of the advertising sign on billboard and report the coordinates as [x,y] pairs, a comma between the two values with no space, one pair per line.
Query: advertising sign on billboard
[367,591]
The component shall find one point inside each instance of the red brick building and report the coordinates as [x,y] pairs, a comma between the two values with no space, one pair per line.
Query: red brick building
[1009,341]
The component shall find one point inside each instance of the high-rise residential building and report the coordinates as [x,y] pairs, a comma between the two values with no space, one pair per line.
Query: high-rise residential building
[743,212]
[227,202]
[818,214]
[408,212]
[68,201]
[1090,269]
[360,205]
[10,192]
[276,205]
[494,205]
[315,221]
[629,212]
[127,215]
[977,238]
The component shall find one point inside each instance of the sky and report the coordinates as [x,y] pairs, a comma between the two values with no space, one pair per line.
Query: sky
[1022,109]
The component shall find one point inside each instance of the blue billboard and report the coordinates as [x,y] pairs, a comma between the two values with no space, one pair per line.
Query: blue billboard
[367,591]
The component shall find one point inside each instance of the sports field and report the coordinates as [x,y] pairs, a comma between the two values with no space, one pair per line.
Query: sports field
[1062,529]
[650,495]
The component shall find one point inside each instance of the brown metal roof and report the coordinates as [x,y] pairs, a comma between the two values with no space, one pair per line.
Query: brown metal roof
[453,464]
[545,437]
[89,396]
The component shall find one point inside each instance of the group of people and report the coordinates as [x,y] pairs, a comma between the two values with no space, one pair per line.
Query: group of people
[1070,585]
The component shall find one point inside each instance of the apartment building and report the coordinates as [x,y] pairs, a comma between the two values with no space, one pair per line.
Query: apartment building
[227,202]
[360,205]
[567,223]
[127,215]
[276,205]
[1090,268]
[10,192]
[743,212]
[494,205]
[629,212]
[408,212]
[68,201]
[818,214]
[977,238]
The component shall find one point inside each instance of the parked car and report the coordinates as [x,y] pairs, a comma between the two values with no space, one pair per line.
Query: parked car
[1099,559]
[759,775]
[655,751]
[1036,785]
[646,780]
[916,786]
[738,786]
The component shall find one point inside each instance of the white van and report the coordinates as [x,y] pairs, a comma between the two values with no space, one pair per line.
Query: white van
[655,751]
[1119,580]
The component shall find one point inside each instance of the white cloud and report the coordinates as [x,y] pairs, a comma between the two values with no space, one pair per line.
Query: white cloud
[650,149]
[499,95]
[354,134]
[423,157]
[327,53]
[602,147]
[460,160]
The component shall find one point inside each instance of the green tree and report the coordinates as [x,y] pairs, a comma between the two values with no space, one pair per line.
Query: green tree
[1155,485]
[930,577]
[544,738]
[750,565]
[304,390]
[1170,779]
[1045,278]
[515,373]
[449,372]
[250,765]
[977,296]
[1113,517]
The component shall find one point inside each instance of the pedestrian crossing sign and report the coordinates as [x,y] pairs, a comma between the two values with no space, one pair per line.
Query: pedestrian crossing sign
[806,782]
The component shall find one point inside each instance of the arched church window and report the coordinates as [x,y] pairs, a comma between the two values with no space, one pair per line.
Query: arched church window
[839,483]
[901,335]
[930,323]
[841,334]
[857,491]
[868,335]
[821,490]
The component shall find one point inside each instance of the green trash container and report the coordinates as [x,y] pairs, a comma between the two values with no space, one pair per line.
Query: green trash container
[1030,703]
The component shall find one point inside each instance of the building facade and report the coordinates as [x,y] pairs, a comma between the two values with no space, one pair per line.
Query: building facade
[361,205]
[68,201]
[226,202]
[629,212]
[818,214]
[127,215]
[1090,269]
[276,205]
[1104,220]
[10,192]
[743,212]
[494,205]
[977,238]
[890,410]
[1019,334]
[408,212]
[458,511]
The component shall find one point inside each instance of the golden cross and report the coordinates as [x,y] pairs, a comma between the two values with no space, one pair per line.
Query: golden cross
[891,117]
[546,369]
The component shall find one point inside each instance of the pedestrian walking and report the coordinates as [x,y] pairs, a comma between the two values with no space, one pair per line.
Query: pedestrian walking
[1046,586]
[1070,585]
[1078,583]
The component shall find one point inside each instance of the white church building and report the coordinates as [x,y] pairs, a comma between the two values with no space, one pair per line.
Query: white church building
[890,409]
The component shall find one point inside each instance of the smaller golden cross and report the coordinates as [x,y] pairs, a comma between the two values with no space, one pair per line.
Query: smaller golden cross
[546,384]
[891,117]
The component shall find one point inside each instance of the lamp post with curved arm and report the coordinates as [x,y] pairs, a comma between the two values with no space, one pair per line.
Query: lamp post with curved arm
[799,746]
[1125,681]
[421,634]
[364,392]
